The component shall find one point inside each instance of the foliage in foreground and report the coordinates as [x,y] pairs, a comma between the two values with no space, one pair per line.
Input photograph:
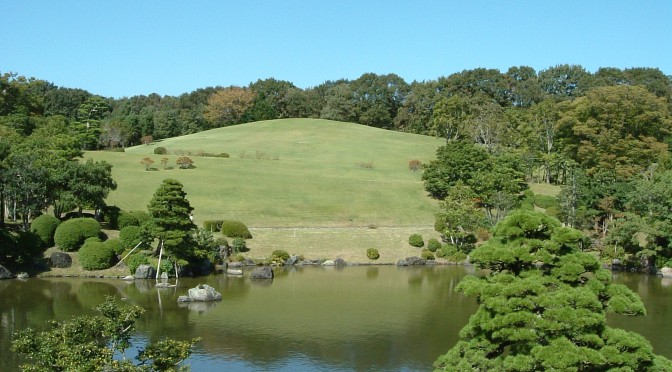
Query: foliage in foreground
[543,306]
[89,343]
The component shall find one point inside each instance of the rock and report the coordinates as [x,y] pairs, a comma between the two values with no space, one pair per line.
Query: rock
[328,263]
[666,272]
[183,299]
[4,273]
[235,264]
[60,260]
[310,262]
[293,260]
[145,272]
[204,292]
[22,276]
[129,277]
[164,275]
[250,262]
[264,272]
[411,261]
[234,272]
[339,262]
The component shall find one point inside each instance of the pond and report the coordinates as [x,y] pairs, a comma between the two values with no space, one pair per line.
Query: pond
[360,318]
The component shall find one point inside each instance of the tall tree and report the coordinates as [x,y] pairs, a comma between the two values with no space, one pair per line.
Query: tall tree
[227,106]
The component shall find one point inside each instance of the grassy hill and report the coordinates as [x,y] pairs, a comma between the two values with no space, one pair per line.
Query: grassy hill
[301,175]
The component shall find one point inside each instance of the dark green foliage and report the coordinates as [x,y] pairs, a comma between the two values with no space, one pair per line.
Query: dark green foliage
[130,236]
[170,220]
[427,254]
[433,245]
[96,256]
[30,247]
[110,215]
[133,218]
[116,246]
[238,245]
[135,260]
[546,201]
[213,225]
[372,254]
[160,151]
[224,155]
[235,229]
[90,343]
[71,234]
[416,240]
[45,227]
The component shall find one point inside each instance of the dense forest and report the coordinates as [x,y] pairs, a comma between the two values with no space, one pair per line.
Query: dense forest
[603,136]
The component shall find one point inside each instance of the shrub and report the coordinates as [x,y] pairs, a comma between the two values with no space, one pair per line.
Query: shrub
[185,162]
[96,256]
[482,234]
[446,251]
[213,225]
[553,211]
[416,240]
[147,162]
[280,255]
[116,245]
[133,218]
[129,236]
[224,155]
[71,234]
[372,254]
[365,164]
[235,229]
[427,254]
[414,165]
[160,151]
[135,260]
[146,140]
[238,245]
[30,247]
[545,201]
[237,258]
[433,245]
[45,227]
[111,216]
[457,257]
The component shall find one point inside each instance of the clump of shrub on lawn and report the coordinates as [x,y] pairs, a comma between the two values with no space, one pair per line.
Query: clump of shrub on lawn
[116,245]
[71,234]
[130,236]
[238,245]
[433,245]
[451,253]
[545,201]
[160,151]
[372,254]
[416,240]
[133,218]
[414,165]
[135,260]
[45,227]
[279,256]
[213,225]
[427,254]
[96,256]
[235,229]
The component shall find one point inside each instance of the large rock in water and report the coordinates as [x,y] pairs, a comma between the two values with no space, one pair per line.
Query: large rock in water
[4,273]
[411,261]
[204,292]
[145,272]
[666,272]
[60,260]
[264,272]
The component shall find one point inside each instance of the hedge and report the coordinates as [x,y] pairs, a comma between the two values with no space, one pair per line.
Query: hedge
[235,229]
[96,256]
[71,234]
[45,227]
[416,240]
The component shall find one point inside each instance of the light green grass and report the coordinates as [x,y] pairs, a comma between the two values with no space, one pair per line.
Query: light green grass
[545,189]
[315,183]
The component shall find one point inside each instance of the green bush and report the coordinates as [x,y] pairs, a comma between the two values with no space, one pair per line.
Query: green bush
[135,260]
[553,211]
[545,201]
[427,254]
[30,247]
[45,227]
[433,245]
[279,255]
[372,254]
[71,234]
[224,155]
[160,151]
[111,216]
[129,236]
[457,257]
[221,241]
[238,245]
[116,245]
[134,218]
[416,240]
[96,256]
[235,229]
[446,251]
[213,225]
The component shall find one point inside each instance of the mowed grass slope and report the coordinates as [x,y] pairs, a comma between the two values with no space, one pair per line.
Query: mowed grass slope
[315,181]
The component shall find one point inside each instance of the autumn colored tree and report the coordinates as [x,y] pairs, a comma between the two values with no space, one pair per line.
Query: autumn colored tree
[147,162]
[227,106]
[184,162]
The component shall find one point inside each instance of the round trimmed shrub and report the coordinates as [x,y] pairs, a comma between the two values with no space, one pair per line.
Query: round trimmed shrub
[96,256]
[416,240]
[129,236]
[446,251]
[427,254]
[279,254]
[45,227]
[372,254]
[238,245]
[160,151]
[213,225]
[115,245]
[433,245]
[134,218]
[135,260]
[235,229]
[71,234]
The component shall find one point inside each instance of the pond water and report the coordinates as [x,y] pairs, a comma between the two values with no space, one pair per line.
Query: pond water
[314,318]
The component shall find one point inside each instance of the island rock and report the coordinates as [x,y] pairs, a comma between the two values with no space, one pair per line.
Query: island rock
[204,292]
[411,261]
[145,272]
[264,272]
[666,272]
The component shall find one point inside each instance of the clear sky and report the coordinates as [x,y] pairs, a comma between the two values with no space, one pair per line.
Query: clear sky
[123,48]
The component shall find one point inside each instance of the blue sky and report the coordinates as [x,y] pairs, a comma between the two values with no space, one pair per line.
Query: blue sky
[125,48]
